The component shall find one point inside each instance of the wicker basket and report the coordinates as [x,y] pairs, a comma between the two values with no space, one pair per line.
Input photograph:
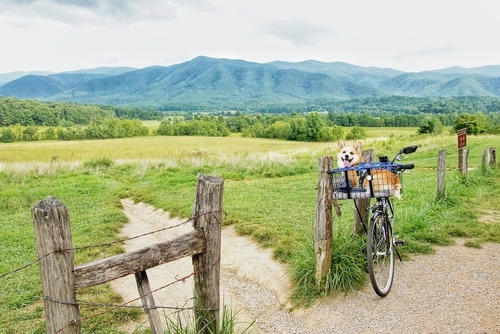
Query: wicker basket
[366,180]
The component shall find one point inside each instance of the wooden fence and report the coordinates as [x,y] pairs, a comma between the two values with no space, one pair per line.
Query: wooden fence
[60,278]
[324,201]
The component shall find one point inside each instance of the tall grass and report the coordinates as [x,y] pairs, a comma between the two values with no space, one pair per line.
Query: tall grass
[228,323]
[270,195]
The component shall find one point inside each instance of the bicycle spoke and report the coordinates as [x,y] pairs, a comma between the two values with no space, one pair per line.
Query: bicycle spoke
[380,254]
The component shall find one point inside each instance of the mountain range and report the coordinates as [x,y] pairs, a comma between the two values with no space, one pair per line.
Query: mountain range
[212,83]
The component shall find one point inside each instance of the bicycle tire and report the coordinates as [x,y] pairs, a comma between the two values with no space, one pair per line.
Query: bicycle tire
[380,254]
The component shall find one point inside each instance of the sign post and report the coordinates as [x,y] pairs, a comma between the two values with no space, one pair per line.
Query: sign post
[462,142]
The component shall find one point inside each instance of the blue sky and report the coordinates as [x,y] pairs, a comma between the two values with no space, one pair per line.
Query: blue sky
[64,35]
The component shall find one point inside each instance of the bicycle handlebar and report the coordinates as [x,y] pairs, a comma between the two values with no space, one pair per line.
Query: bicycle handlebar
[391,166]
[403,167]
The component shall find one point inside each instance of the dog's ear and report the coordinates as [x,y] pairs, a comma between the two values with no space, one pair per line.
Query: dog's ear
[358,145]
[341,144]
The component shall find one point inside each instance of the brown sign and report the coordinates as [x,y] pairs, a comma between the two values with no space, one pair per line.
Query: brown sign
[462,138]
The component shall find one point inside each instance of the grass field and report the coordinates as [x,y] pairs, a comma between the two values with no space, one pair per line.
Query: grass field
[270,194]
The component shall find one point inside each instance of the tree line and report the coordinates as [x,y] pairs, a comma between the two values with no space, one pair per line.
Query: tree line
[107,128]
[37,113]
[371,105]
[105,122]
[312,126]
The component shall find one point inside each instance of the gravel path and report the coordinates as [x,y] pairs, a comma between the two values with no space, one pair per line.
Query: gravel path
[457,290]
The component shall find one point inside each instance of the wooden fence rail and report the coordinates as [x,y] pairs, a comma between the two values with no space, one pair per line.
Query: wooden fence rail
[60,278]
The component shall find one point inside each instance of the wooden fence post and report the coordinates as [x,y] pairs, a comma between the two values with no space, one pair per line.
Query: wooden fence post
[324,221]
[148,302]
[492,156]
[53,234]
[441,174]
[460,159]
[465,161]
[362,203]
[207,211]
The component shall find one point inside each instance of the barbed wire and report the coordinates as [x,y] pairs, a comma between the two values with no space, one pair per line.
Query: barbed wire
[27,265]
[87,303]
[125,304]
[212,213]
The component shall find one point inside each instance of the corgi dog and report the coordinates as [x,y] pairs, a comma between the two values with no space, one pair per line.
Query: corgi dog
[382,180]
[348,156]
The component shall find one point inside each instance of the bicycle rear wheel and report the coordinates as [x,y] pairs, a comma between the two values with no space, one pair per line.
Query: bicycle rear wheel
[380,254]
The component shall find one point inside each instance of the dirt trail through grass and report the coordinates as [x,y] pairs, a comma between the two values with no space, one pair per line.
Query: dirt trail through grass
[457,290]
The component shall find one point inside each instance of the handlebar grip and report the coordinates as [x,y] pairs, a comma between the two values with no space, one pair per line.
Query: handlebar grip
[408,166]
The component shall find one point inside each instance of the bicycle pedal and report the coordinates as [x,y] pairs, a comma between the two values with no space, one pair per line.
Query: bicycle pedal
[399,242]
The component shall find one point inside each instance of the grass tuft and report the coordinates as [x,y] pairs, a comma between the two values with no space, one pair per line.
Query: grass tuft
[184,322]
[98,163]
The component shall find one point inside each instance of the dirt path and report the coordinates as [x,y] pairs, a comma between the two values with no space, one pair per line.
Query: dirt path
[457,290]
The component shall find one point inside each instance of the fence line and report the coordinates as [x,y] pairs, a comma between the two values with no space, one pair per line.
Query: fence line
[60,279]
[125,304]
[115,306]
[108,243]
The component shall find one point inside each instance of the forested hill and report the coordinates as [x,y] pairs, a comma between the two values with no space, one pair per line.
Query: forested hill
[223,84]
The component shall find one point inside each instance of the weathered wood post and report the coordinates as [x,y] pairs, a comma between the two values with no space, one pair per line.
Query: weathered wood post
[208,212]
[465,161]
[324,220]
[53,234]
[362,203]
[460,159]
[492,161]
[441,175]
[148,302]
[483,161]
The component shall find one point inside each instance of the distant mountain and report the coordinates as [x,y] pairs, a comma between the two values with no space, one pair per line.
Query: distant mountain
[108,71]
[43,86]
[362,75]
[209,81]
[7,77]
[31,86]
[491,70]
[218,84]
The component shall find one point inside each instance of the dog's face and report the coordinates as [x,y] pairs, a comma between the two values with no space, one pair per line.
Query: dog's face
[348,156]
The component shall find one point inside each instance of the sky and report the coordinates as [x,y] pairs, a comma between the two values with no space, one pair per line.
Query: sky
[411,36]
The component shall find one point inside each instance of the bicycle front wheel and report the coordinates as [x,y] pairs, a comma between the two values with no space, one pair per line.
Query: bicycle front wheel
[380,254]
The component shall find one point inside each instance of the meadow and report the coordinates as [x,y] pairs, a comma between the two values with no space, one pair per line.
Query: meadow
[269,194]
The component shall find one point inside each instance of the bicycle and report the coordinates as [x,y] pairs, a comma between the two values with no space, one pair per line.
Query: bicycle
[370,180]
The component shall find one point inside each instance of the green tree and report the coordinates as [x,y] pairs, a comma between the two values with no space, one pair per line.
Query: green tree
[50,134]
[254,131]
[472,123]
[298,128]
[278,130]
[314,123]
[325,134]
[7,136]
[430,125]
[30,134]
[166,129]
[337,132]
[356,133]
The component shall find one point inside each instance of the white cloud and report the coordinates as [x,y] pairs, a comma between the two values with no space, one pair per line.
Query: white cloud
[413,36]
[427,52]
[297,31]
[95,12]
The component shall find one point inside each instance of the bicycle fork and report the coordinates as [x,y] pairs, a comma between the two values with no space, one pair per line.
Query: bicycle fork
[389,220]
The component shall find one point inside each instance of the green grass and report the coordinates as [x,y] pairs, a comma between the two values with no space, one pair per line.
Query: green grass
[270,195]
